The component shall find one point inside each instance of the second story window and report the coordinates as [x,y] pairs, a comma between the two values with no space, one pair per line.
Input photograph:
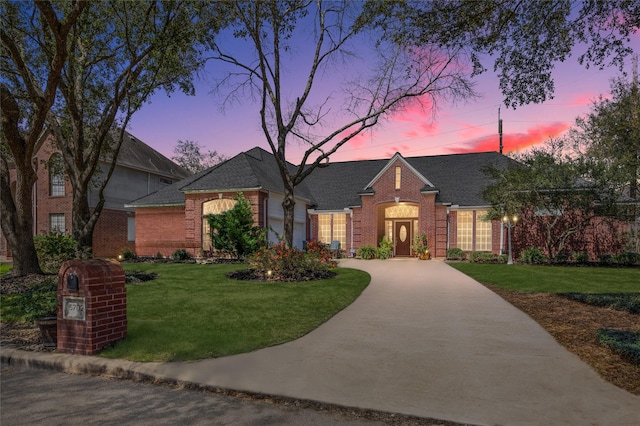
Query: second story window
[56,176]
[398,177]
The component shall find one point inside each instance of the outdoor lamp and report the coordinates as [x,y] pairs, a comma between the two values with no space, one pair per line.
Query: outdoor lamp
[510,222]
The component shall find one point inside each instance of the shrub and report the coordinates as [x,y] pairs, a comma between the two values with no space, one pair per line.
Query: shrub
[628,258]
[456,253]
[605,259]
[367,252]
[54,249]
[159,255]
[580,257]
[127,254]
[625,343]
[486,257]
[180,254]
[40,301]
[280,263]
[321,250]
[233,231]
[533,256]
[629,302]
[385,249]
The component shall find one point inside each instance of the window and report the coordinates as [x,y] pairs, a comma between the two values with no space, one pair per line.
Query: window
[56,222]
[56,176]
[483,231]
[332,227]
[465,230]
[398,177]
[474,231]
[131,229]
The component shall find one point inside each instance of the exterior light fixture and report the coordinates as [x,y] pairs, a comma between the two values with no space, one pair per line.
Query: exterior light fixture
[509,223]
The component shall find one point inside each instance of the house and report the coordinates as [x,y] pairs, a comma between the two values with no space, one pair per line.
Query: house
[140,170]
[355,202]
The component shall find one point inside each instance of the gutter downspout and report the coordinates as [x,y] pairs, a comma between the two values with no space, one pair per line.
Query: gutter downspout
[448,229]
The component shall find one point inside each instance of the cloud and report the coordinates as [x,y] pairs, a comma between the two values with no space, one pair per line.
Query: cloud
[514,141]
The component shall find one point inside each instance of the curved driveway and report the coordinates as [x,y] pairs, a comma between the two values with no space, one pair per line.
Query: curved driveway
[425,340]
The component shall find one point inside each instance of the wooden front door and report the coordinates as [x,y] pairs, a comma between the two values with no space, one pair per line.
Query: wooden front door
[403,238]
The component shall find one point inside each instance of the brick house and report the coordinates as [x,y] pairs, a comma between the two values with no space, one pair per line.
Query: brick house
[140,170]
[354,202]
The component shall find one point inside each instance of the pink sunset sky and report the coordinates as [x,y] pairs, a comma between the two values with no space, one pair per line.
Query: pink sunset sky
[459,128]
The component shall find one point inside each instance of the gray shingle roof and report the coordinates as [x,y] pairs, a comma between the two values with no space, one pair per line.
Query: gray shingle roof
[136,154]
[458,177]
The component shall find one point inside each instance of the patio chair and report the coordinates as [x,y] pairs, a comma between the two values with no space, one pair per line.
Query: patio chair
[334,248]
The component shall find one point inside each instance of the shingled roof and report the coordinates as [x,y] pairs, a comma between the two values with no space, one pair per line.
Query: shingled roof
[136,154]
[459,178]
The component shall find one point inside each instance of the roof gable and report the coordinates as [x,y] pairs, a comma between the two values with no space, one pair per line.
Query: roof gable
[398,157]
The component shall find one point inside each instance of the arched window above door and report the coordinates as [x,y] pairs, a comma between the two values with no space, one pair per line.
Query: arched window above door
[401,211]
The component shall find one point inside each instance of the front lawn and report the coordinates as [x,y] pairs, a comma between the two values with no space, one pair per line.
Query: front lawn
[554,279]
[195,311]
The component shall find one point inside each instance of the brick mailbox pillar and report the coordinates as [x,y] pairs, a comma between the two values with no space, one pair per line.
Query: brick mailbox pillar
[93,305]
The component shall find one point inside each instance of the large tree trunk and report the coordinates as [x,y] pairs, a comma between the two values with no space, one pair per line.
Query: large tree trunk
[18,228]
[288,209]
[82,223]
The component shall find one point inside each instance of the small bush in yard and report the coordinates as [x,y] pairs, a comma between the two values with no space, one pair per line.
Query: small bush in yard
[128,254]
[385,249]
[456,253]
[54,249]
[625,343]
[367,252]
[181,254]
[628,258]
[533,256]
[279,263]
[321,250]
[40,301]
[629,302]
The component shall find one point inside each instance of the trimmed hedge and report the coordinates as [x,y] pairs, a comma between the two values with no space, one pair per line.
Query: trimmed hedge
[623,342]
[456,253]
[629,302]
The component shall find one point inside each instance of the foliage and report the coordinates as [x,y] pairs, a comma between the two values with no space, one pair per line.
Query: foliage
[456,253]
[27,93]
[486,257]
[420,244]
[54,249]
[610,134]
[625,343]
[321,250]
[557,195]
[533,256]
[579,257]
[627,258]
[524,40]
[233,231]
[194,311]
[180,255]
[188,155]
[385,249]
[629,302]
[282,264]
[127,254]
[553,279]
[367,252]
[39,301]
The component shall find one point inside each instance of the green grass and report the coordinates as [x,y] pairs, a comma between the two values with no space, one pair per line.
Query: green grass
[5,267]
[554,279]
[195,311]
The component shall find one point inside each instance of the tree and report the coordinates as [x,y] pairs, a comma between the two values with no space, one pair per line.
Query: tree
[557,194]
[188,156]
[27,92]
[299,110]
[233,231]
[119,54]
[525,39]
[610,134]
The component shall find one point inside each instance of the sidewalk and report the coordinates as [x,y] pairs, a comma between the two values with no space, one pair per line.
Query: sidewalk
[422,339]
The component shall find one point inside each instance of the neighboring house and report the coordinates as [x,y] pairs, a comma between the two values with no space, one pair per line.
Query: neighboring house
[355,202]
[140,170]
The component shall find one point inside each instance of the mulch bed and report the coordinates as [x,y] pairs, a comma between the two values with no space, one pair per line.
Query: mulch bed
[574,325]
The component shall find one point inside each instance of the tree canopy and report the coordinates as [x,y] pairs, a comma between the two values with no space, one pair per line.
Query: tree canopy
[189,156]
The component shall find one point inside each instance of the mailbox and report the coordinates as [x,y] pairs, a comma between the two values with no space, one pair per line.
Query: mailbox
[72,282]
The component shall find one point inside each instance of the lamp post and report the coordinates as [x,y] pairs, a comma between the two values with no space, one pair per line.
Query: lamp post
[509,223]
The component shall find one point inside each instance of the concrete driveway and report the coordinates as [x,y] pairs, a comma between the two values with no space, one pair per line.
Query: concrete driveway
[424,340]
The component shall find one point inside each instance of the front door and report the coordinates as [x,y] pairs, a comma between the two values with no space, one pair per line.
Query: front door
[403,238]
